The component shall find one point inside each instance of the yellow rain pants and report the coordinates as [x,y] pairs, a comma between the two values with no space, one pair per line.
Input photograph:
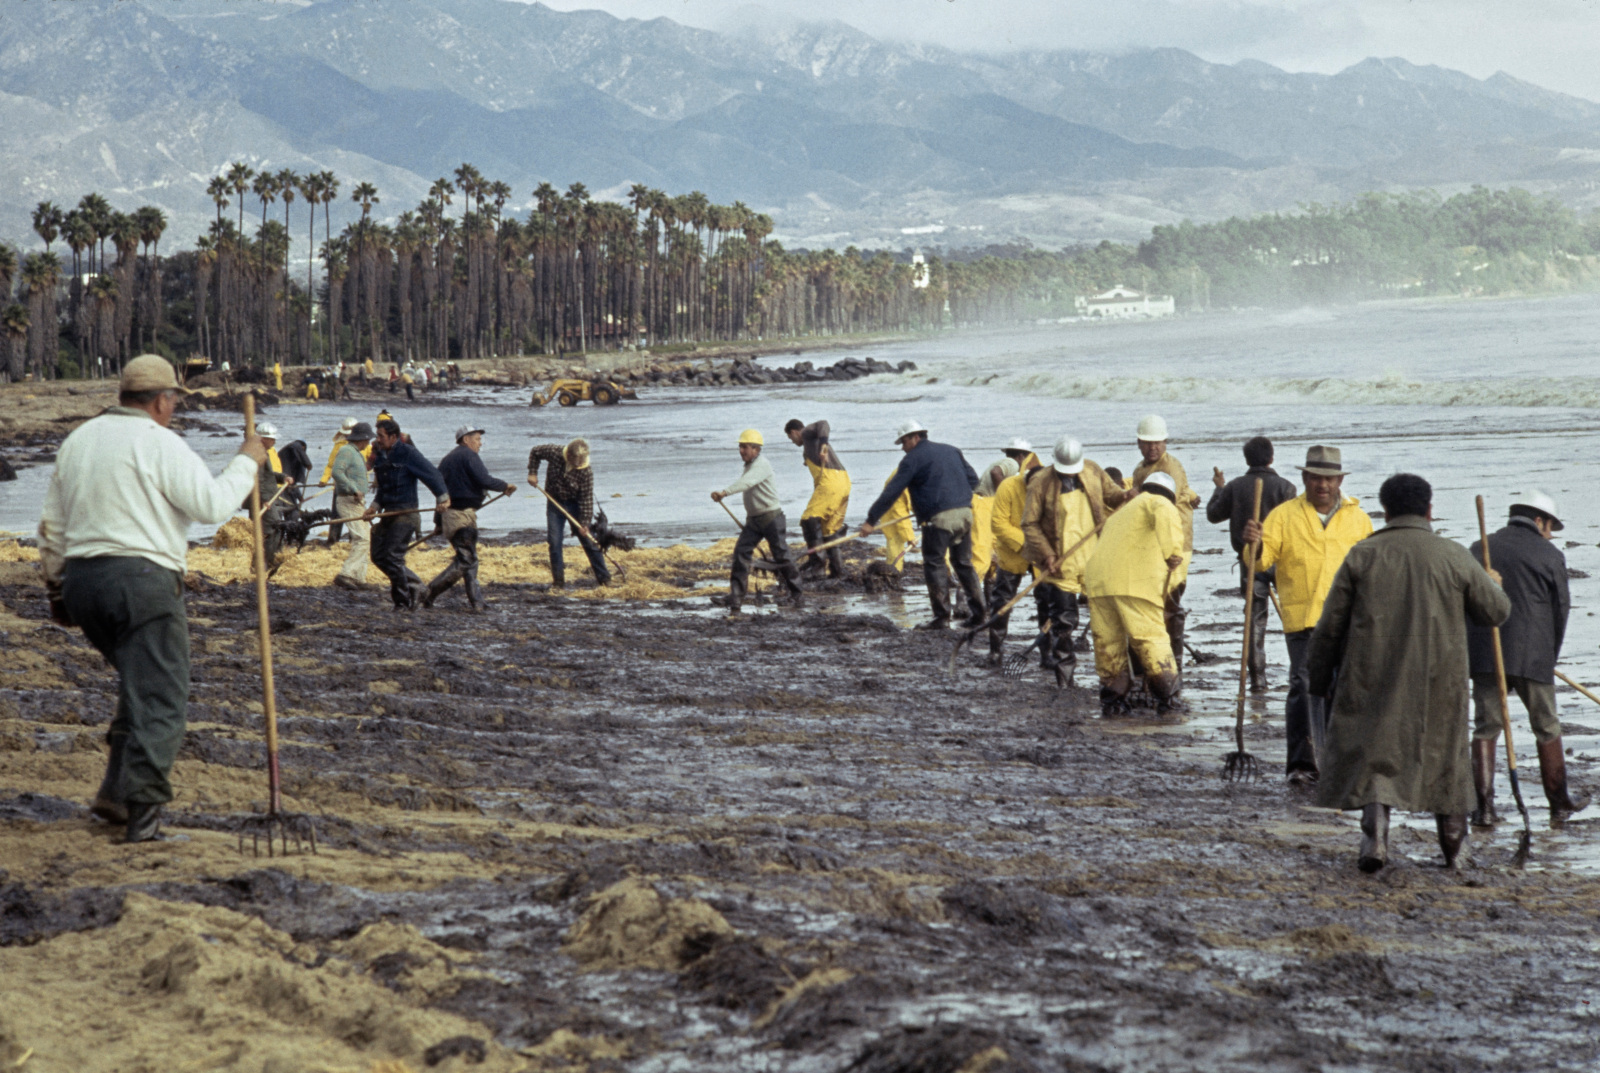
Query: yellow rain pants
[830,496]
[1122,622]
[902,534]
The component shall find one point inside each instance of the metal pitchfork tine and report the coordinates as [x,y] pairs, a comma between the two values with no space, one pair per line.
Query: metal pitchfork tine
[275,823]
[1239,765]
[1016,666]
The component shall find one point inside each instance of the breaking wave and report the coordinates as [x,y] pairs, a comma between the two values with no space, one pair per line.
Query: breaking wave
[1389,390]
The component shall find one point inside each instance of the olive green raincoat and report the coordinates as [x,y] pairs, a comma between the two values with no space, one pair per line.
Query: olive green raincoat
[1394,627]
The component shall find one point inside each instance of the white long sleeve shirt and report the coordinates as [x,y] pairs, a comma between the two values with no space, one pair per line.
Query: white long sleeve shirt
[124,485]
[760,487]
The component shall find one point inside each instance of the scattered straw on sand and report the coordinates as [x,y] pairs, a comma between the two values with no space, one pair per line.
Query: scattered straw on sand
[12,552]
[630,925]
[651,573]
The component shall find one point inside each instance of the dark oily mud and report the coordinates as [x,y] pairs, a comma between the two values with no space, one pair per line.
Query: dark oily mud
[649,836]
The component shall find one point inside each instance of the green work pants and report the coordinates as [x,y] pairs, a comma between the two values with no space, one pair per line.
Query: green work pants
[132,611]
[1538,697]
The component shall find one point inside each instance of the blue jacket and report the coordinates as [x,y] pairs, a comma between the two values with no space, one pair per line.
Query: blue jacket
[396,473]
[939,479]
[467,479]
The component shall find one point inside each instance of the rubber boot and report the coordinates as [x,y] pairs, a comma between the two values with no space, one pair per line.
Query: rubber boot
[1164,688]
[939,597]
[558,576]
[811,533]
[997,644]
[144,823]
[1553,770]
[1374,838]
[1452,833]
[835,555]
[1483,782]
[474,592]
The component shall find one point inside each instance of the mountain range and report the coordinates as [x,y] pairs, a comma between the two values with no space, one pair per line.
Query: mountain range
[842,137]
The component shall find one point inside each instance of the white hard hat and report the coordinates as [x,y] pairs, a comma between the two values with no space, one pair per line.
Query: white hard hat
[1163,481]
[1068,455]
[347,424]
[1153,429]
[1017,443]
[466,430]
[267,429]
[1537,500]
[907,428]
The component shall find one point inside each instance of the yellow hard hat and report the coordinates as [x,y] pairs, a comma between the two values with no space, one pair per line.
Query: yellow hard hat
[751,435]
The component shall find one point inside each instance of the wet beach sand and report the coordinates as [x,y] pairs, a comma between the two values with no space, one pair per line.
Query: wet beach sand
[628,833]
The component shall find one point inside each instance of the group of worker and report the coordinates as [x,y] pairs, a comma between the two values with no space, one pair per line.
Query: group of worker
[1384,628]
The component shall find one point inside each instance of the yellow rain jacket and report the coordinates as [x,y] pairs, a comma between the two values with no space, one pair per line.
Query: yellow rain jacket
[982,534]
[1131,556]
[901,534]
[1006,523]
[1308,555]
[830,495]
[1187,499]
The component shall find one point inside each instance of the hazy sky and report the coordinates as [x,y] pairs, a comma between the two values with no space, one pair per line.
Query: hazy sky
[1553,43]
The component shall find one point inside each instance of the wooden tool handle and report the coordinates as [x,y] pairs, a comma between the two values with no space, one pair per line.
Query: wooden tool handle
[1499,655]
[269,705]
[1253,551]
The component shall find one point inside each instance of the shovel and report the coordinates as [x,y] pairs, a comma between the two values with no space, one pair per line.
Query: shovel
[1525,843]
[1239,764]
[276,824]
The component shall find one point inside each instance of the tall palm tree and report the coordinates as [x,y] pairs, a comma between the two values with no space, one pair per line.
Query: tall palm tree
[8,270]
[327,191]
[239,175]
[14,340]
[41,275]
[47,222]
[152,224]
[288,186]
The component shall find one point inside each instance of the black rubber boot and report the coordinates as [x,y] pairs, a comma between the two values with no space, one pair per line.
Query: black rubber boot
[1483,782]
[144,823]
[1553,770]
[997,644]
[811,533]
[1452,834]
[1374,838]
[835,555]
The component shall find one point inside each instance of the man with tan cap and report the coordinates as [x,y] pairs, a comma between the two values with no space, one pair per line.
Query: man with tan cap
[466,479]
[763,520]
[569,480]
[1307,538]
[1155,458]
[113,542]
[1533,573]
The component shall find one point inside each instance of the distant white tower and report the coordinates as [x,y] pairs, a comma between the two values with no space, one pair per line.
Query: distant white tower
[920,274]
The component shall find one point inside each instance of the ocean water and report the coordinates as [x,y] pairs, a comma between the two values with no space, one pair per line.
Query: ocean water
[1480,397]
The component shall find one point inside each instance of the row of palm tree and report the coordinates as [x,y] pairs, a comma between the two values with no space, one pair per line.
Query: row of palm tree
[456,277]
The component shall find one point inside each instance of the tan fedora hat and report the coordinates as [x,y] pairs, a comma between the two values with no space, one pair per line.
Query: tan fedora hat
[1324,462]
[150,372]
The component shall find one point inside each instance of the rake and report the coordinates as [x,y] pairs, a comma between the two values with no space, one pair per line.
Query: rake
[1239,765]
[1525,843]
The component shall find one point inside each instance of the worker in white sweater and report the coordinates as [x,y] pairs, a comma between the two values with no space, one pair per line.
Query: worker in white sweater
[763,520]
[114,542]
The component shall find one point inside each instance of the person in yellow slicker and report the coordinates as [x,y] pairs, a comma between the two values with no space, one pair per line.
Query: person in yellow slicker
[1155,458]
[823,517]
[277,374]
[1010,565]
[1137,562]
[902,535]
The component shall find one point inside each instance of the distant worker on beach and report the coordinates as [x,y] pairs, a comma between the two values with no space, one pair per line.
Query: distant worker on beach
[113,543]
[823,517]
[273,506]
[466,479]
[1303,541]
[941,483]
[1533,573]
[1232,502]
[397,466]
[1390,649]
[1152,434]
[569,481]
[763,520]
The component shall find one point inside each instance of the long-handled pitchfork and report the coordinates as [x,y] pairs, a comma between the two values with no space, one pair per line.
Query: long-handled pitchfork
[580,529]
[421,540]
[275,824]
[1525,843]
[1239,764]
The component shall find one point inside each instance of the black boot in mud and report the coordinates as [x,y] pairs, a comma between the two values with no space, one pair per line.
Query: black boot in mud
[1452,834]
[1374,838]
[1483,782]
[1113,701]
[144,823]
[997,645]
[1553,772]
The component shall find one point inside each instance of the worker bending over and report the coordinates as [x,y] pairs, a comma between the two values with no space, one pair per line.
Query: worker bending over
[1011,563]
[1128,578]
[940,482]
[570,489]
[1157,459]
[763,520]
[822,519]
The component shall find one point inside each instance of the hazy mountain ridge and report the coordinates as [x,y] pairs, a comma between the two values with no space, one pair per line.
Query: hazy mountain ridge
[841,136]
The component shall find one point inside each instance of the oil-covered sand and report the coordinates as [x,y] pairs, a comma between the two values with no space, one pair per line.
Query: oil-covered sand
[630,833]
